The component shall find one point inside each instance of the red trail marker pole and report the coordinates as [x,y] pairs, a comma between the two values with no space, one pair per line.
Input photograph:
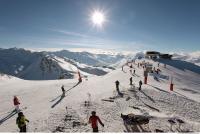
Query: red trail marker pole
[145,80]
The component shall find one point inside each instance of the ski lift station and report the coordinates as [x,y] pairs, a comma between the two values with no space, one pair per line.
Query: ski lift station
[157,55]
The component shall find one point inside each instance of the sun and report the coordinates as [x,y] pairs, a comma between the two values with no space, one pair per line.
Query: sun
[98,18]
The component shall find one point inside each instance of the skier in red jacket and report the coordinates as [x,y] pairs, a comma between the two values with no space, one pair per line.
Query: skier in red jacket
[16,103]
[93,120]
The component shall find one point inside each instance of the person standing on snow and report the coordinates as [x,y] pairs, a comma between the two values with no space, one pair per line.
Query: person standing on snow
[131,81]
[131,67]
[94,121]
[140,84]
[63,91]
[117,85]
[21,122]
[16,103]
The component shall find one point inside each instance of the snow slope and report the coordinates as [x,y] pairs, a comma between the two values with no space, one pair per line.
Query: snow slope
[47,111]
[53,65]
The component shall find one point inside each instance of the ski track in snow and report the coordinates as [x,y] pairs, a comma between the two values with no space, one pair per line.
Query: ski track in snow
[154,101]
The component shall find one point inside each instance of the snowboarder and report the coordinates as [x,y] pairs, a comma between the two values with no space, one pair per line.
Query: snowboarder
[21,122]
[16,103]
[131,81]
[117,85]
[63,91]
[93,120]
[140,84]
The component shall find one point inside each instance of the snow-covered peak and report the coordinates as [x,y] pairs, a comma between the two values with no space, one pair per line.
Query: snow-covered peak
[5,77]
[193,57]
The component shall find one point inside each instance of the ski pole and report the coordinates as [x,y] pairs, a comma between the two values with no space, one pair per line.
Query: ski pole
[102,129]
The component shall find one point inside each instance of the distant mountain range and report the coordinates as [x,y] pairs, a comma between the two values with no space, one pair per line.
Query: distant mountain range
[193,57]
[54,65]
[64,64]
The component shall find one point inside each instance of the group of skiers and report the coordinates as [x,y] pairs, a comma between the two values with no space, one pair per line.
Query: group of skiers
[131,83]
[130,67]
[140,83]
[21,119]
[93,119]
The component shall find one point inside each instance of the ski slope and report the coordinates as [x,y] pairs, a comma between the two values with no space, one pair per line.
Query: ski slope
[47,111]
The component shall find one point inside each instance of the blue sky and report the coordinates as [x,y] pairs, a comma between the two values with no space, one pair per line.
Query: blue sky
[163,25]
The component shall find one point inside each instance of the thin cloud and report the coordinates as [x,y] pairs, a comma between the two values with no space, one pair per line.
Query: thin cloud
[85,40]
[70,33]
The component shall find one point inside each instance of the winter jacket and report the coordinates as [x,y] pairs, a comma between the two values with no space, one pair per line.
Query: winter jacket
[21,121]
[16,101]
[117,83]
[140,83]
[93,120]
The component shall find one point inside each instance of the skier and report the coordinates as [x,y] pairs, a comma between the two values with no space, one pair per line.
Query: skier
[63,91]
[21,122]
[131,67]
[93,120]
[131,81]
[134,71]
[140,84]
[16,103]
[117,85]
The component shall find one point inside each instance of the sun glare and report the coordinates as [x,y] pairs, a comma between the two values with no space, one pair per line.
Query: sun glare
[98,18]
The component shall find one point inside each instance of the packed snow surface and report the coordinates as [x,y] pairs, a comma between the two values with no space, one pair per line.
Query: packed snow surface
[48,112]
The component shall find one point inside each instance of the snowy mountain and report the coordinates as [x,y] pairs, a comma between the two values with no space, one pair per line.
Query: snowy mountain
[14,60]
[89,58]
[64,64]
[54,65]
[166,111]
[193,57]
[5,77]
